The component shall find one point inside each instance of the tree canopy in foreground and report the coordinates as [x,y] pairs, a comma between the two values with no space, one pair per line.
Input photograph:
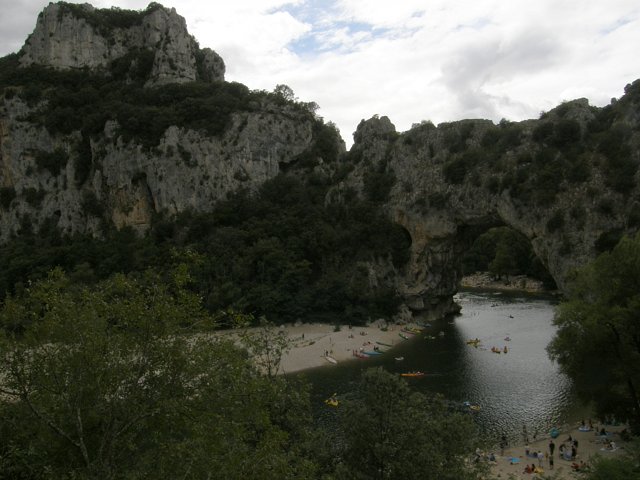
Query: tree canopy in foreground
[598,338]
[124,380]
[106,383]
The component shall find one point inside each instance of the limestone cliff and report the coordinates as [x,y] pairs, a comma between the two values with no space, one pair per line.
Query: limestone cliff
[128,183]
[568,182]
[90,133]
[73,36]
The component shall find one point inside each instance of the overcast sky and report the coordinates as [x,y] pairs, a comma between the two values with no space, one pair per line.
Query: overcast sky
[411,60]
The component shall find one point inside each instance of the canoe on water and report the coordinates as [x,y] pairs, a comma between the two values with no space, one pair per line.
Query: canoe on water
[413,374]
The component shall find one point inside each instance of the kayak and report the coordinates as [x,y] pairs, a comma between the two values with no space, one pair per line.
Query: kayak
[332,401]
[473,408]
[403,336]
[331,359]
[385,344]
[413,374]
[372,352]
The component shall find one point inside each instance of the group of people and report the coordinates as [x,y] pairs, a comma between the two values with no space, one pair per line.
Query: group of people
[568,450]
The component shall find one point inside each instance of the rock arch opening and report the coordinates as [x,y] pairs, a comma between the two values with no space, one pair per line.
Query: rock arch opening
[502,254]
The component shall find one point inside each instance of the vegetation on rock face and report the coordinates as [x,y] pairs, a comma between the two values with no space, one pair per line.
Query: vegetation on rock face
[106,19]
[561,150]
[597,343]
[82,100]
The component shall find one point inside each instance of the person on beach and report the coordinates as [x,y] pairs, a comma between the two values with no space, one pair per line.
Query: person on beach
[540,458]
[550,463]
[552,447]
[525,435]
[503,444]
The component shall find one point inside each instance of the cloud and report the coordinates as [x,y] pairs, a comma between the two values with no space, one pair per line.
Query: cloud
[410,60]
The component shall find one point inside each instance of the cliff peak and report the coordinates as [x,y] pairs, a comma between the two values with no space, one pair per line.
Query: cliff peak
[76,36]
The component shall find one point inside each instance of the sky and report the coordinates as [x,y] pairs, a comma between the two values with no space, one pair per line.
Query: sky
[411,60]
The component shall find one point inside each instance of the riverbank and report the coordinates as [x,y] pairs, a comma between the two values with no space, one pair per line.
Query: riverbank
[310,343]
[512,463]
[485,280]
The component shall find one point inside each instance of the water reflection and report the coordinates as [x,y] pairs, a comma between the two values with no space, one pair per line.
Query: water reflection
[519,388]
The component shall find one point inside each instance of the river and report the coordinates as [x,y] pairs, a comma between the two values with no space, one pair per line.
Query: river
[521,387]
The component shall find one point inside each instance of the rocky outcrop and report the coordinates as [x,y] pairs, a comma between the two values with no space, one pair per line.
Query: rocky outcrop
[553,179]
[71,36]
[128,183]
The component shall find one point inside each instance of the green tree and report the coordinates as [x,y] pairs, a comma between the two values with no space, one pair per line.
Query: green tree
[110,382]
[598,339]
[267,345]
[285,92]
[622,467]
[391,432]
[504,263]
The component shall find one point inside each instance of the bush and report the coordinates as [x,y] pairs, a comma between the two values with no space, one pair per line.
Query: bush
[542,132]
[7,194]
[566,132]
[52,161]
[556,221]
[83,160]
[33,196]
[91,205]
[438,199]
[378,185]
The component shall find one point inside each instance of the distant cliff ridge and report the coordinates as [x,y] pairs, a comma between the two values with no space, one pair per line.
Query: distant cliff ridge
[116,117]
[80,36]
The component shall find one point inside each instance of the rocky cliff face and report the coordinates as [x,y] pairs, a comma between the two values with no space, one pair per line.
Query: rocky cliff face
[568,182]
[71,36]
[75,180]
[129,183]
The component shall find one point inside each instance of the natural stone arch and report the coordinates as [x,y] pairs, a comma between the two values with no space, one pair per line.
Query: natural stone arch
[445,184]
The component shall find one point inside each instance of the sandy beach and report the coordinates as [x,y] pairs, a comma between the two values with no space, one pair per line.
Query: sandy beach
[589,445]
[310,342]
